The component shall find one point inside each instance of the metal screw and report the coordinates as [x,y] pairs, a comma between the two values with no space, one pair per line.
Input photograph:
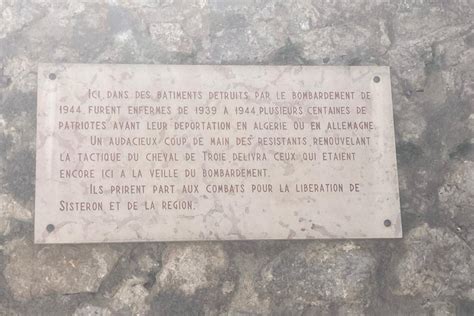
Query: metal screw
[376,79]
[52,76]
[387,223]
[50,228]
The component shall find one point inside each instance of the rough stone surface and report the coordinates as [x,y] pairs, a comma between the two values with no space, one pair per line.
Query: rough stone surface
[10,210]
[88,310]
[304,276]
[34,271]
[429,46]
[188,268]
[131,297]
[456,197]
[437,265]
[246,299]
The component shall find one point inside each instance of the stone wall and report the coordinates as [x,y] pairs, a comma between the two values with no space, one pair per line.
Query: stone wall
[429,45]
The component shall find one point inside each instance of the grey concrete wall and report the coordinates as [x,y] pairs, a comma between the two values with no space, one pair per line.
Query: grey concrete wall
[430,48]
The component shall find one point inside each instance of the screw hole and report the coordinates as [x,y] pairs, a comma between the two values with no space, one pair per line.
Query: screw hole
[387,223]
[376,79]
[50,228]
[52,76]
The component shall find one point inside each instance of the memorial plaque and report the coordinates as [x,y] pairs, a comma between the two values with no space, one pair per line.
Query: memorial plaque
[185,152]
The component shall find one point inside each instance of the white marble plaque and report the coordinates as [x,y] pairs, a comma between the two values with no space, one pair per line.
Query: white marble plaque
[183,152]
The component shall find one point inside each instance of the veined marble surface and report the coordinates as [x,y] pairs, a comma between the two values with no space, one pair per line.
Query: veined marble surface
[316,158]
